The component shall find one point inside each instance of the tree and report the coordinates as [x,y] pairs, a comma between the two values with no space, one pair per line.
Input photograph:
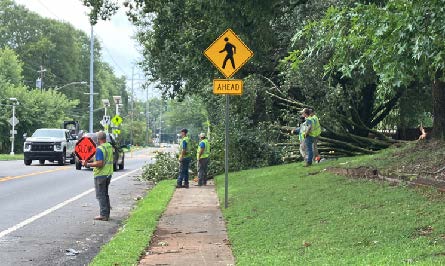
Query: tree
[10,67]
[400,42]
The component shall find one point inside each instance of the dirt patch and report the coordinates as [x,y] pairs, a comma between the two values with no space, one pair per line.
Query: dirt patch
[426,158]
[422,164]
[370,173]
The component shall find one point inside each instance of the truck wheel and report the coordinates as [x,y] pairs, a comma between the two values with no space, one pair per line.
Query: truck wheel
[72,161]
[41,162]
[121,166]
[62,159]
[28,162]
[78,166]
[114,166]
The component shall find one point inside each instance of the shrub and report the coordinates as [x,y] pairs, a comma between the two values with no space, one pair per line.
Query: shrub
[166,166]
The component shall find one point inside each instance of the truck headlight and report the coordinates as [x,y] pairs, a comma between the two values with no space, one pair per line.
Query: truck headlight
[27,146]
[58,146]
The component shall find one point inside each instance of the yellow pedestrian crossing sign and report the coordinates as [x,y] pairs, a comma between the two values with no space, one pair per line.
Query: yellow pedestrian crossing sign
[117,120]
[228,53]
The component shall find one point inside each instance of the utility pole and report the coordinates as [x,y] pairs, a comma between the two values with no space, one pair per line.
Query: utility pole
[91,79]
[160,123]
[39,82]
[147,115]
[132,106]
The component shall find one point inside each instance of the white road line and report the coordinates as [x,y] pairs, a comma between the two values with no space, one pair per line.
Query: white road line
[58,206]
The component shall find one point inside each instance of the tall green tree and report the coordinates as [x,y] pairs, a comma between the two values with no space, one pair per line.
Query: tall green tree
[400,42]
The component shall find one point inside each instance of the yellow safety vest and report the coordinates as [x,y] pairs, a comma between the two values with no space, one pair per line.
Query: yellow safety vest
[316,128]
[107,169]
[187,151]
[206,152]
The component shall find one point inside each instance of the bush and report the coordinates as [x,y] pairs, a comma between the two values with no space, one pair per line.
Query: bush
[165,167]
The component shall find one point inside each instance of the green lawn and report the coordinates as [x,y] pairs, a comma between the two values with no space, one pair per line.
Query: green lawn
[130,242]
[291,215]
[8,157]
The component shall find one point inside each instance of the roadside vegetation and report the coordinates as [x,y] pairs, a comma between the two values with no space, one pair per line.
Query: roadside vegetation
[292,215]
[129,243]
[9,157]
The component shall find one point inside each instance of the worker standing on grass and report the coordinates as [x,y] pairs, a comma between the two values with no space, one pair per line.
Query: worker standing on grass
[316,131]
[299,131]
[203,158]
[184,160]
[309,135]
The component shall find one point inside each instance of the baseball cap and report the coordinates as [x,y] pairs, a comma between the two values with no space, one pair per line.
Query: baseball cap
[202,135]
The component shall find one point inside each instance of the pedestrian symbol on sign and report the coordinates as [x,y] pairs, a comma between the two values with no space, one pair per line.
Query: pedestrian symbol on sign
[230,50]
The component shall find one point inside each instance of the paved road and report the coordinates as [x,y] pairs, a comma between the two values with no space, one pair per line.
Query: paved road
[47,209]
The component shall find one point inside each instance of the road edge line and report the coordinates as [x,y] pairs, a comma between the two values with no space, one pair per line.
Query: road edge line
[55,208]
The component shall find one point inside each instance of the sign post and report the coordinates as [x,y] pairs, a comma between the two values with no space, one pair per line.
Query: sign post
[228,53]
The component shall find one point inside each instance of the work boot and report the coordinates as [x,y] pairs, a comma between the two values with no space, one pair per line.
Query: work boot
[179,186]
[186,186]
[307,164]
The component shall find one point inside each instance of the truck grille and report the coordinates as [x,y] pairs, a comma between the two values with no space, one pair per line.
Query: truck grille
[42,147]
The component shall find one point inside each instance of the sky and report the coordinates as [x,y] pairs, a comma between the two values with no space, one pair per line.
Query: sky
[119,49]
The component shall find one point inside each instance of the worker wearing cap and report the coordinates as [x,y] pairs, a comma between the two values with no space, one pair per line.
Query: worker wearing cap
[184,160]
[202,156]
[308,138]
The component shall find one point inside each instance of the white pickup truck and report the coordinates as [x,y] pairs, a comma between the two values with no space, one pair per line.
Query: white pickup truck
[50,144]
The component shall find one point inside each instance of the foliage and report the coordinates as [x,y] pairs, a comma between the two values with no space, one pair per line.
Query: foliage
[36,110]
[10,67]
[133,237]
[395,41]
[304,209]
[28,43]
[166,166]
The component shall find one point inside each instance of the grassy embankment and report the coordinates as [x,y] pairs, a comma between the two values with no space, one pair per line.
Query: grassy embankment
[130,242]
[8,157]
[291,215]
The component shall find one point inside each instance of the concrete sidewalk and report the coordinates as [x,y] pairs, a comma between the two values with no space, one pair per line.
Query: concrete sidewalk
[191,231]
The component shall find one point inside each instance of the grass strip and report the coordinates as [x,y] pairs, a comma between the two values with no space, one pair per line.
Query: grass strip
[9,157]
[133,237]
[292,215]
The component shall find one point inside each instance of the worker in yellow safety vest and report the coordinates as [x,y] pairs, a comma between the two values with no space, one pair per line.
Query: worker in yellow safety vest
[103,170]
[184,160]
[203,159]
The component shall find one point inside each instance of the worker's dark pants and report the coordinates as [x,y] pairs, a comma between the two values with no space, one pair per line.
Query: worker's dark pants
[101,184]
[309,149]
[203,166]
[184,171]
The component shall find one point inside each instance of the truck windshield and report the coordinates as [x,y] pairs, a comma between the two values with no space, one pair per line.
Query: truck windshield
[49,133]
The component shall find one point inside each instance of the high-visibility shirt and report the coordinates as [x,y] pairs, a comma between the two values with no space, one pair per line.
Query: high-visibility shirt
[107,169]
[206,152]
[316,127]
[303,128]
[185,145]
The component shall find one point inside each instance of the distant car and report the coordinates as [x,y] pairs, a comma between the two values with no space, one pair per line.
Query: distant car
[51,144]
[118,152]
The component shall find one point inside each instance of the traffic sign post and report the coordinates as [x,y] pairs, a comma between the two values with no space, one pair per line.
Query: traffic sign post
[228,53]
[85,148]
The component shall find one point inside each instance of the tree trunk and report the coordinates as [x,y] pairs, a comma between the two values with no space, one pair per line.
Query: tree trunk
[438,109]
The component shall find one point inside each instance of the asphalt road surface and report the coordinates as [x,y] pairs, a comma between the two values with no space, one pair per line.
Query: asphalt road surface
[46,210]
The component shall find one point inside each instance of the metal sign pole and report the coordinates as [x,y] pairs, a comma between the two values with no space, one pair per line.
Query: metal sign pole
[13,128]
[226,155]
